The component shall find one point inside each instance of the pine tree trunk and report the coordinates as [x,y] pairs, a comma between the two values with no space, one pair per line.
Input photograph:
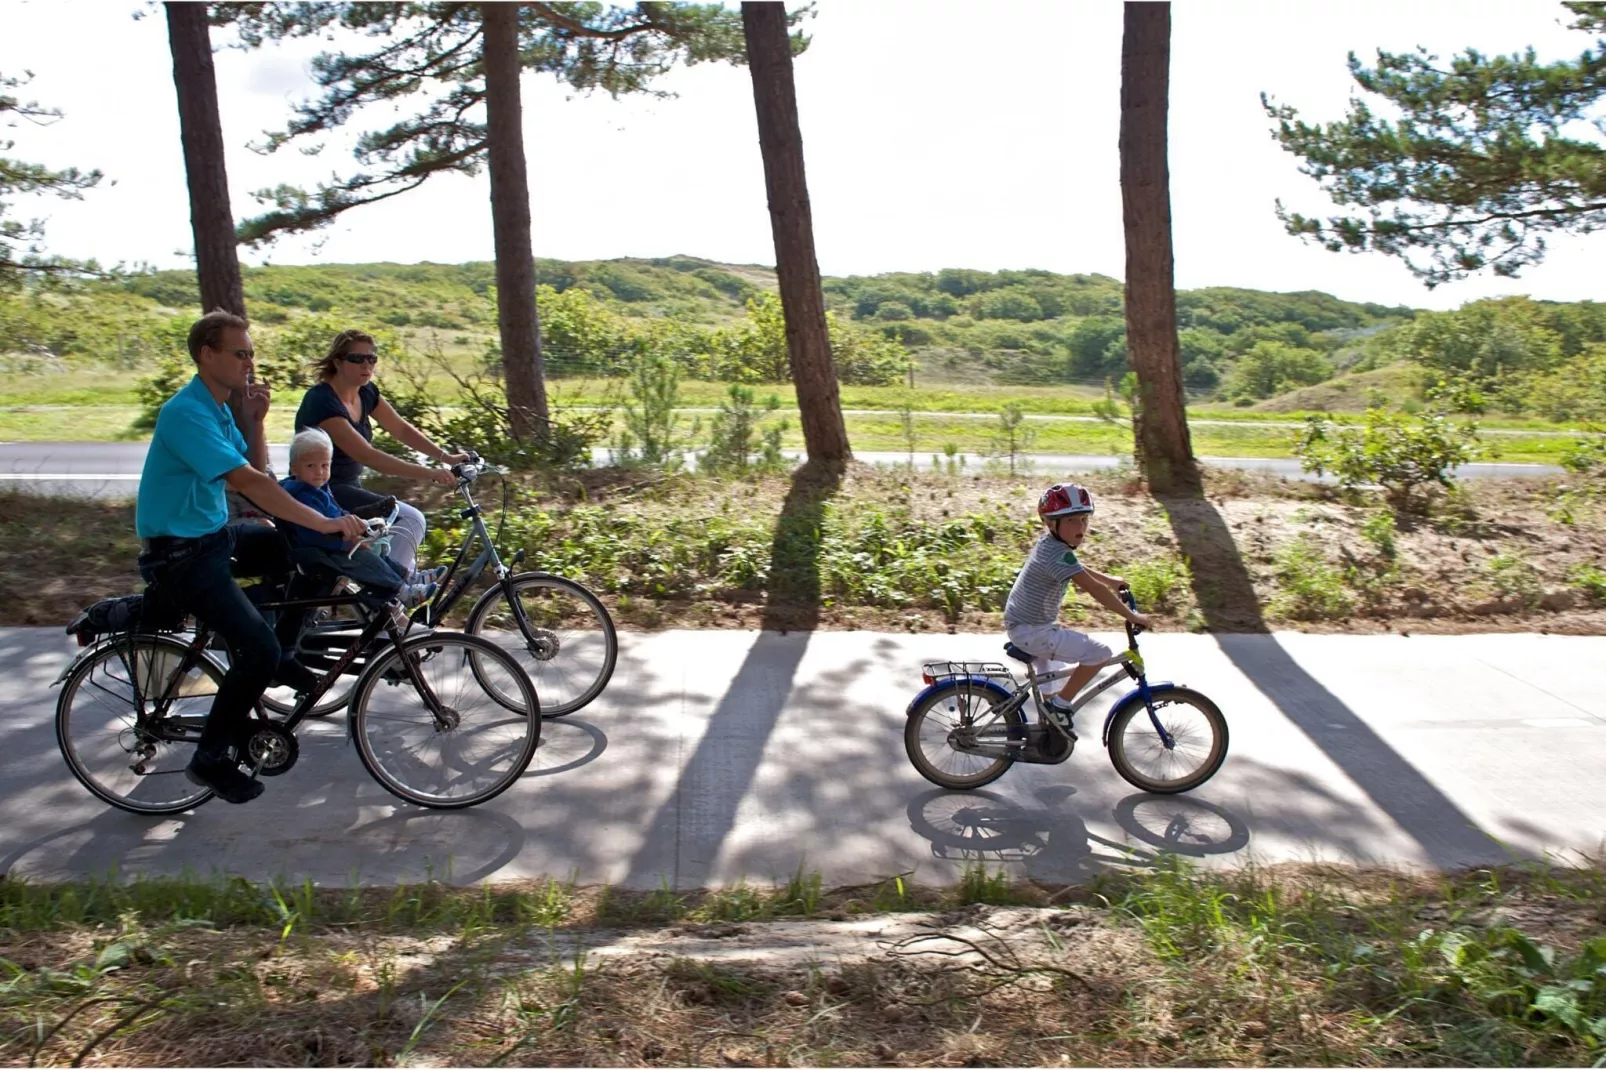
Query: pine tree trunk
[808,344]
[516,316]
[1160,421]
[217,263]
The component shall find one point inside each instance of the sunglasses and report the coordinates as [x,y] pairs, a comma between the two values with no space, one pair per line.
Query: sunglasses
[360,358]
[243,354]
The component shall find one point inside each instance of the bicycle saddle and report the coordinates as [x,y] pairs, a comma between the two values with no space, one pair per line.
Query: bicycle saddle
[375,510]
[1017,653]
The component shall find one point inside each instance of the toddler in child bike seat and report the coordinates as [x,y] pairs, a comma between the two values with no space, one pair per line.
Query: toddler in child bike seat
[378,575]
[1031,614]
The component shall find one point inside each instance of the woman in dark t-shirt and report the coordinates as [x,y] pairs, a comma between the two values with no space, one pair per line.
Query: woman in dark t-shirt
[344,404]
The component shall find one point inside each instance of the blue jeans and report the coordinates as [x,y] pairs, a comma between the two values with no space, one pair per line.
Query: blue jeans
[197,576]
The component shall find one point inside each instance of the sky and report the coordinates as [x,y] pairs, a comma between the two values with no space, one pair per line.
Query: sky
[936,133]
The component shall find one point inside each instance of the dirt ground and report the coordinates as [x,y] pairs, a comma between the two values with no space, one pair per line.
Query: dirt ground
[1498,555]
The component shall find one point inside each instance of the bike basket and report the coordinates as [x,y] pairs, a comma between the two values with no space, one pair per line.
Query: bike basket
[947,670]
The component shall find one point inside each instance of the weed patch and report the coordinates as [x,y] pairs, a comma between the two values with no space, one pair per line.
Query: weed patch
[1310,588]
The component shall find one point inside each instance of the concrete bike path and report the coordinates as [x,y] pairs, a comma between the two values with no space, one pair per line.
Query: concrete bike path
[716,755]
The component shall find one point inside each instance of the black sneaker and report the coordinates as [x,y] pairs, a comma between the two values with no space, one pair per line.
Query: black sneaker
[292,674]
[215,771]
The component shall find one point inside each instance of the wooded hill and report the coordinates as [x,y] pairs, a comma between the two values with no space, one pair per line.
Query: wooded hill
[958,325]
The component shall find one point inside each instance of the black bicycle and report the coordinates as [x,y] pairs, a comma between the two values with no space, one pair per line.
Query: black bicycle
[560,632]
[427,723]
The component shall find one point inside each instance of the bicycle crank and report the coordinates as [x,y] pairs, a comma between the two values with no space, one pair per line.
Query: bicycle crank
[271,750]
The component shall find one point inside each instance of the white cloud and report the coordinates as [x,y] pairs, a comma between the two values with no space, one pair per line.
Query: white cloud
[937,133]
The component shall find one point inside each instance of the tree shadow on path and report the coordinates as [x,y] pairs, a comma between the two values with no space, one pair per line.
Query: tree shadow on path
[1226,596]
[701,812]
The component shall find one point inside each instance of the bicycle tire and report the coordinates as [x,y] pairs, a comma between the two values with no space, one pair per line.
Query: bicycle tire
[1167,697]
[433,649]
[558,697]
[918,718]
[148,652]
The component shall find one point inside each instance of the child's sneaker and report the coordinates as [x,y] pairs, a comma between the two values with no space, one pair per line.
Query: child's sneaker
[428,575]
[416,593]
[1059,713]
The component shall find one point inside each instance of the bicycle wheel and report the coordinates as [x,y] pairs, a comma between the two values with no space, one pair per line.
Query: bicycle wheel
[572,649]
[474,751]
[1199,737]
[122,759]
[951,715]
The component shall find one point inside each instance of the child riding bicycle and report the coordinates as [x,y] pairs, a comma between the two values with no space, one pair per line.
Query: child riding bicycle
[1031,614]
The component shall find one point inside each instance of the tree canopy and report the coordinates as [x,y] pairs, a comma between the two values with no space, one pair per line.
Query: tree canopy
[21,249]
[1487,156]
[432,51]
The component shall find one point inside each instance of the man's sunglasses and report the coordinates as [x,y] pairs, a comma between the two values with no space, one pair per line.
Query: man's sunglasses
[360,358]
[243,354]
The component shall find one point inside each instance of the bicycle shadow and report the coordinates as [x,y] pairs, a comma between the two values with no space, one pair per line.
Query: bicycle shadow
[1051,842]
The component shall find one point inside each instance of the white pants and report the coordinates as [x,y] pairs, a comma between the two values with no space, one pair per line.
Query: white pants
[1054,646]
[406,536]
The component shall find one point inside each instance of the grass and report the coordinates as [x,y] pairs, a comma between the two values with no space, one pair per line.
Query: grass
[1294,965]
[99,406]
[1309,587]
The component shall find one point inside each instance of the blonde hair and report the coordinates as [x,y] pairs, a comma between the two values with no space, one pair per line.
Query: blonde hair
[311,440]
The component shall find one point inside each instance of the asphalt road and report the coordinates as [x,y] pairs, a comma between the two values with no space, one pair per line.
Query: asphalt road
[111,469]
[718,755]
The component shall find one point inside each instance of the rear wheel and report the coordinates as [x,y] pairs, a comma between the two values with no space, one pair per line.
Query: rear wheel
[123,742]
[946,721]
[1198,746]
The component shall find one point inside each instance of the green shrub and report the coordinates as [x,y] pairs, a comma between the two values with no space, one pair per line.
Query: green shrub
[1591,580]
[1311,589]
[1379,530]
[1586,455]
[1513,577]
[736,445]
[1395,451]
[1158,584]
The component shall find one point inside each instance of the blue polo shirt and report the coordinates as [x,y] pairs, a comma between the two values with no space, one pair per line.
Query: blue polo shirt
[181,486]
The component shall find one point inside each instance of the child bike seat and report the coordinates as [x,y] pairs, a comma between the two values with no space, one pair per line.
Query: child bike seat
[1017,653]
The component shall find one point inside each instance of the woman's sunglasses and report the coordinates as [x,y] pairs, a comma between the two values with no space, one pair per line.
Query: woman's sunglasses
[360,358]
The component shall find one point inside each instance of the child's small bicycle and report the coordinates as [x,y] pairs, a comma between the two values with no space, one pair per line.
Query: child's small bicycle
[967,727]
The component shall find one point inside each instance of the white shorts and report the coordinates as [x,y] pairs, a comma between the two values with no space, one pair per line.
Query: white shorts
[1051,645]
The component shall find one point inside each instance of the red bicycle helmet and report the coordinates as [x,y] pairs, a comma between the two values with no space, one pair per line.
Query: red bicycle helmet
[1064,499]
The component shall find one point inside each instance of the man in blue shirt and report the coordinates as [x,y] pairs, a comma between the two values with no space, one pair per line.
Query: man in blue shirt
[191,550]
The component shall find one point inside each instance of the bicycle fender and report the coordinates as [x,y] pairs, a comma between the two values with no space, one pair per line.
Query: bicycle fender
[953,683]
[1133,697]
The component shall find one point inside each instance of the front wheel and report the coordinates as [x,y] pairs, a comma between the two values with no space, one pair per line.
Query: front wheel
[946,722]
[566,641]
[457,747]
[1198,734]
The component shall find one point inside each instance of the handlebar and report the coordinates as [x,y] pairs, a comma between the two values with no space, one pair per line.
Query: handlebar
[1125,594]
[377,528]
[470,470]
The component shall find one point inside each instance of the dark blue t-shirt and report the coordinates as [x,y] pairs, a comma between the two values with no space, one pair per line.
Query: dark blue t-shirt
[319,404]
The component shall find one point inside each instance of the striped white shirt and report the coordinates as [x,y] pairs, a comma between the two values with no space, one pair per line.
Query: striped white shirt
[1040,588]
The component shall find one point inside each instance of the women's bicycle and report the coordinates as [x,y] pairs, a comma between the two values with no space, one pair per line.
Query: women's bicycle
[425,721]
[560,632]
[970,725]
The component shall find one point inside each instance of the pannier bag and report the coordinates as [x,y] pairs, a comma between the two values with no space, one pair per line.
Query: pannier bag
[131,612]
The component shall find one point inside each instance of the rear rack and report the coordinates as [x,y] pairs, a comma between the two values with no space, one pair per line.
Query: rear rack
[945,670]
